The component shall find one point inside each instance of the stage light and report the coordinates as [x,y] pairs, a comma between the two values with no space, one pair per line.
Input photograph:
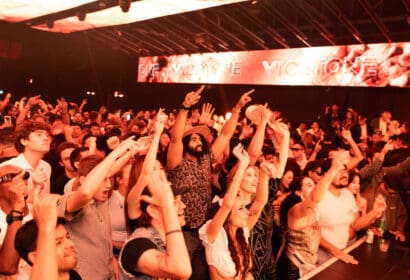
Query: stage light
[124,5]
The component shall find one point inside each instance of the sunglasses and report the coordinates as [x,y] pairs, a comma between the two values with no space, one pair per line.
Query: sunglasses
[9,177]
[296,149]
[319,173]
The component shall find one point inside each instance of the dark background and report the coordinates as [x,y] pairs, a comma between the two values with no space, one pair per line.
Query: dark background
[70,64]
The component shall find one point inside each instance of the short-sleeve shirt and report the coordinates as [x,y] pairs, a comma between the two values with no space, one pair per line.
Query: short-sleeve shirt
[197,176]
[335,215]
[217,253]
[90,230]
[141,240]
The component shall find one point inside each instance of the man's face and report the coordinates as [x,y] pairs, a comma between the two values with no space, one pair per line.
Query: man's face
[65,159]
[66,258]
[37,141]
[95,130]
[103,191]
[342,179]
[76,131]
[195,145]
[77,117]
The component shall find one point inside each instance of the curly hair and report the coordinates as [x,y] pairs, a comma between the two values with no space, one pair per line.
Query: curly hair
[244,251]
[25,129]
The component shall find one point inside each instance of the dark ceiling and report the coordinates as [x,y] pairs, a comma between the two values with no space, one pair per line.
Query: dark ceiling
[254,25]
[264,24]
[106,58]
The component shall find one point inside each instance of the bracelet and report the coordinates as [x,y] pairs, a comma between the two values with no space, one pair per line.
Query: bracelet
[18,212]
[183,107]
[172,231]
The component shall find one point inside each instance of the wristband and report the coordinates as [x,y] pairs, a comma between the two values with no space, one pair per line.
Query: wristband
[172,231]
[183,107]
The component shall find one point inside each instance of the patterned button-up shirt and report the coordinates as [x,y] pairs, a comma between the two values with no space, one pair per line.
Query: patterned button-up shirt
[195,175]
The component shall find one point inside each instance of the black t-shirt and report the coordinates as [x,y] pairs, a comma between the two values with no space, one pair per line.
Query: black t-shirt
[132,252]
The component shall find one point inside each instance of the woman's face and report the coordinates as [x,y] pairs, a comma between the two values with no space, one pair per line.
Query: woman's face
[250,180]
[239,214]
[307,187]
[164,140]
[287,178]
[354,185]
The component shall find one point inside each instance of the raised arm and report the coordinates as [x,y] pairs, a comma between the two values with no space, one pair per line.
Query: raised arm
[4,102]
[97,176]
[45,265]
[175,262]
[281,131]
[141,144]
[357,154]
[361,222]
[218,220]
[338,162]
[255,147]
[175,148]
[134,196]
[261,198]
[229,127]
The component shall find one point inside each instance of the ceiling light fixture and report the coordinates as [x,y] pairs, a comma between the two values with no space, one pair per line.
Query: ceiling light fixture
[81,15]
[50,23]
[124,5]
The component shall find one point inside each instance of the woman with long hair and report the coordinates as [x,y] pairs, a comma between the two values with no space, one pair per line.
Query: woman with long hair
[225,237]
[298,254]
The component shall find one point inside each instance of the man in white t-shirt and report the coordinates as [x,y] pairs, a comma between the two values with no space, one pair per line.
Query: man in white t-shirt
[337,212]
[32,141]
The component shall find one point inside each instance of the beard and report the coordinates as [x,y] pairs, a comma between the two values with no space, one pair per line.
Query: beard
[341,184]
[195,151]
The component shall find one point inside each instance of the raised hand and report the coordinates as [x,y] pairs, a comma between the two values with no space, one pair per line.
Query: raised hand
[241,154]
[15,192]
[160,120]
[245,99]
[45,209]
[279,127]
[206,114]
[340,159]
[346,134]
[113,142]
[191,98]
[268,168]
[159,187]
[39,177]
[142,144]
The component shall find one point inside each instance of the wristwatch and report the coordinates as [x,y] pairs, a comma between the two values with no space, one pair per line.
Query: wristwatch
[14,215]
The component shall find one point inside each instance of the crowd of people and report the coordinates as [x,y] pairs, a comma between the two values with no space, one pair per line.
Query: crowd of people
[180,194]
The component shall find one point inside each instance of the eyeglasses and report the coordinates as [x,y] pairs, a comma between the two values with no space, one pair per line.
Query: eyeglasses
[296,149]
